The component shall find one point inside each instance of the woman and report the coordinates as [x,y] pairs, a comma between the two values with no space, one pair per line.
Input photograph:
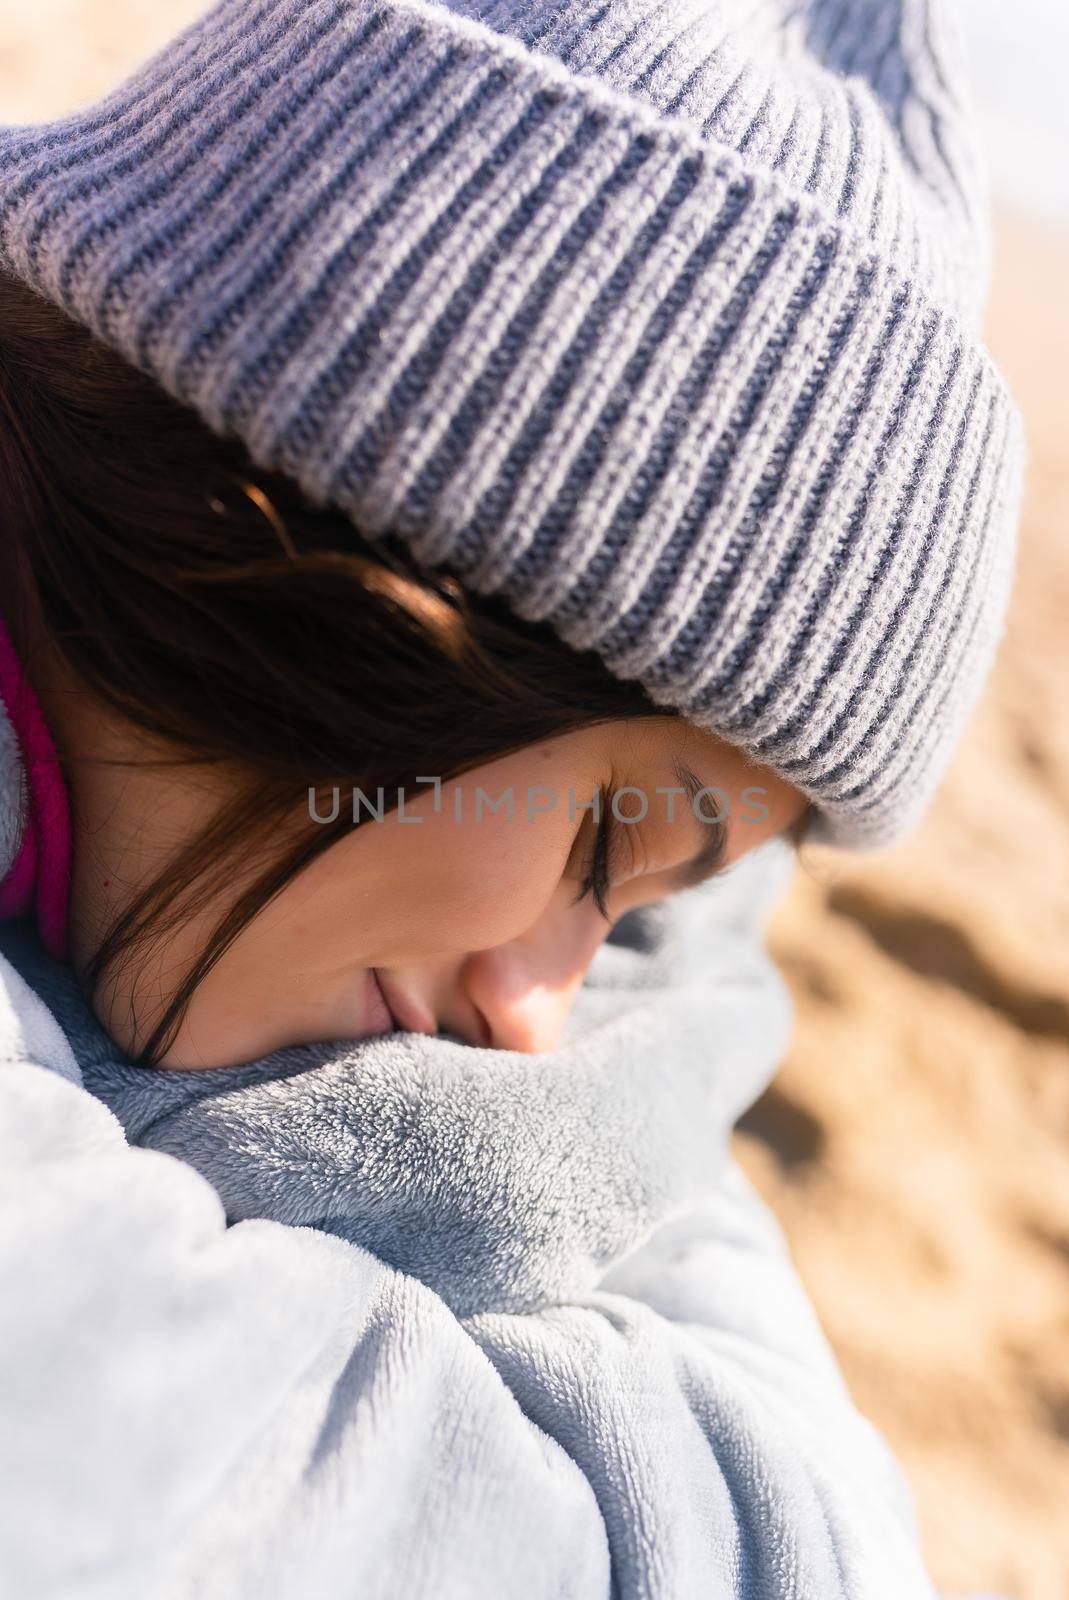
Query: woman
[478,919]
[453,425]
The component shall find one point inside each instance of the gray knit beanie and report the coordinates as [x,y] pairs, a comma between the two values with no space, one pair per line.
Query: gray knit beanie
[658,319]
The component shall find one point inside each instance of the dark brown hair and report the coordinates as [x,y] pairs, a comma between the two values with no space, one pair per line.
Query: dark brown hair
[212,606]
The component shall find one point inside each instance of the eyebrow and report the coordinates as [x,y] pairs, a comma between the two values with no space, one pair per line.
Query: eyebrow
[707,861]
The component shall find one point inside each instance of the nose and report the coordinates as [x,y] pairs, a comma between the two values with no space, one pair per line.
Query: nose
[524,990]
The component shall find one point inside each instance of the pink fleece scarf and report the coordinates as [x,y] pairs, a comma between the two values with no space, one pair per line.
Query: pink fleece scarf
[39,877]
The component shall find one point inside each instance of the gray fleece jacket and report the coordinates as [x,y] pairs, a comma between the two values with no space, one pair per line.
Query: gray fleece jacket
[405,1318]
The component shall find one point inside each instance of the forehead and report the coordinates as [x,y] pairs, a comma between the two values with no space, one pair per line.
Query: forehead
[672,742]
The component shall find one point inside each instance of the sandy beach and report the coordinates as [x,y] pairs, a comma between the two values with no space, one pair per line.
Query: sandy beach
[916,1143]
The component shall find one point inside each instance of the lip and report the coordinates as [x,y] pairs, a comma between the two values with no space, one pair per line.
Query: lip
[406,1014]
[378,1018]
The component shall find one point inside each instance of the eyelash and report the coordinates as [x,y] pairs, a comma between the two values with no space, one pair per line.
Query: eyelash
[596,879]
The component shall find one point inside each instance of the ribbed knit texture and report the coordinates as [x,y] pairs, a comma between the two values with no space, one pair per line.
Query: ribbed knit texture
[661,320]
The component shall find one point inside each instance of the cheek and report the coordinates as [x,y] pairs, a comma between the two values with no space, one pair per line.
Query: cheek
[445,886]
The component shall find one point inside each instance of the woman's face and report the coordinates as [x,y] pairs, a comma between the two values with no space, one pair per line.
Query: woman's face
[466,912]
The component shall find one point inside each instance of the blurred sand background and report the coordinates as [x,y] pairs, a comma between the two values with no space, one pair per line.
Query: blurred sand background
[916,1143]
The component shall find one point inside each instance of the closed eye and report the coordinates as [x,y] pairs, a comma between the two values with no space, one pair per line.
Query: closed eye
[596,880]
[708,861]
